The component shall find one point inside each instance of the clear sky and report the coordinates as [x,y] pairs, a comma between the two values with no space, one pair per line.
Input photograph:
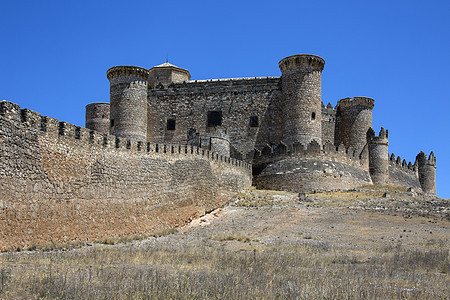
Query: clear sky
[54,54]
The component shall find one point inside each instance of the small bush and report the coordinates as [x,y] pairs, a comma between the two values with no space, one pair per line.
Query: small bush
[231,237]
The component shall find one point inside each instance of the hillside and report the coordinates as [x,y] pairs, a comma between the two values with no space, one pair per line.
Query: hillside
[370,242]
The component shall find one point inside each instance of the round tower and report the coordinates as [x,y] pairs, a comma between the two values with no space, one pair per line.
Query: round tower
[128,98]
[378,156]
[427,172]
[220,142]
[301,88]
[97,117]
[355,118]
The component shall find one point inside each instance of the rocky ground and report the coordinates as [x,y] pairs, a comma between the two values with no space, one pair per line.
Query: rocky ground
[361,218]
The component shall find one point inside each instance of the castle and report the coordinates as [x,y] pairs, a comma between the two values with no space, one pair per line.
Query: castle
[278,124]
[167,149]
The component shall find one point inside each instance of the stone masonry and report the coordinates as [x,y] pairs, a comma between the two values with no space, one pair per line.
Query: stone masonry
[167,148]
[62,183]
[264,120]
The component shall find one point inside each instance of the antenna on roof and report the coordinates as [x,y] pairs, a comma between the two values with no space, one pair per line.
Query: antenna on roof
[167,57]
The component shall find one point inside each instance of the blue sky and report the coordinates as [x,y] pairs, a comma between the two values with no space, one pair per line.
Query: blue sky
[54,54]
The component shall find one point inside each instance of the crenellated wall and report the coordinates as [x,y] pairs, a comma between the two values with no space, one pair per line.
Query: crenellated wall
[402,173]
[312,168]
[60,182]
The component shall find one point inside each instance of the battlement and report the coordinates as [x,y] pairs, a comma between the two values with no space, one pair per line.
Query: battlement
[427,172]
[133,71]
[220,85]
[355,101]
[328,151]
[382,137]
[69,132]
[97,104]
[302,60]
[402,164]
[421,158]
[328,110]
[78,182]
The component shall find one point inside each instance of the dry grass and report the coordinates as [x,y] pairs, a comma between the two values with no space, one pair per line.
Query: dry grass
[251,257]
[232,237]
[299,271]
[110,240]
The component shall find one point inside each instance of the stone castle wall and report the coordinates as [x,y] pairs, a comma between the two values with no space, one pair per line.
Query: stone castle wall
[60,182]
[297,168]
[236,100]
[402,173]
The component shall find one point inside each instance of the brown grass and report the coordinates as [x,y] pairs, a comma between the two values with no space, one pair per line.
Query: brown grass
[231,237]
[279,271]
[234,265]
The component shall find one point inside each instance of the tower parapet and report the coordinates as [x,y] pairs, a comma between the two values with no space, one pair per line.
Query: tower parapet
[427,172]
[301,88]
[97,117]
[378,156]
[128,98]
[354,120]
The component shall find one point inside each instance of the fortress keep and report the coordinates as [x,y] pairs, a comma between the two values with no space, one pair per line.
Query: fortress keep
[166,149]
[277,124]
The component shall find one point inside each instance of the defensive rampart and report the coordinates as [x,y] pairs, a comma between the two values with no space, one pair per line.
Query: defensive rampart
[299,168]
[402,173]
[60,182]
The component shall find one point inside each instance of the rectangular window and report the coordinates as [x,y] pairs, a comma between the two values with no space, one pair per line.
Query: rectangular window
[214,118]
[254,121]
[170,124]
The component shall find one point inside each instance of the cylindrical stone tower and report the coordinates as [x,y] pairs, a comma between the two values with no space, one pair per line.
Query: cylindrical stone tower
[355,118]
[301,88]
[427,172]
[220,142]
[97,117]
[128,98]
[378,156]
